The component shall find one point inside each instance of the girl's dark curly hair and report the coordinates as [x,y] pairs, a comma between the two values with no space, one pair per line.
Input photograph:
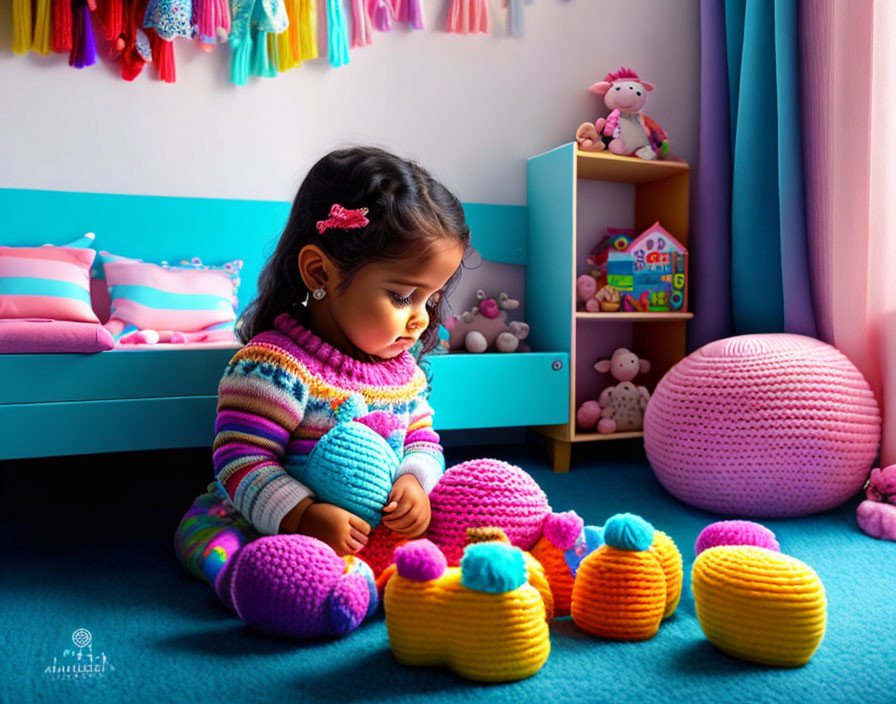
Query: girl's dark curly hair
[409,212]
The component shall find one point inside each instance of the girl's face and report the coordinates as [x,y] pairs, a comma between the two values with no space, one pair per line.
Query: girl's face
[385,308]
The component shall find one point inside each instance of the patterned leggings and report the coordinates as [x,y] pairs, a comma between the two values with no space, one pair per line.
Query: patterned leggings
[210,533]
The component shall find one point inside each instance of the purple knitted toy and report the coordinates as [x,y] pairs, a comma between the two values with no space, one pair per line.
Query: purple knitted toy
[485,492]
[297,587]
[877,514]
[736,533]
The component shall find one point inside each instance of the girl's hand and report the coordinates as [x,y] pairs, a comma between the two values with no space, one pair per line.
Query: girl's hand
[408,509]
[340,529]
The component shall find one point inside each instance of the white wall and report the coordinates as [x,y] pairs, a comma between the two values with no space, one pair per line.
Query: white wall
[470,108]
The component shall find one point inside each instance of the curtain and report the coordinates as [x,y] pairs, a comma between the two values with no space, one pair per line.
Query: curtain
[751,268]
[848,64]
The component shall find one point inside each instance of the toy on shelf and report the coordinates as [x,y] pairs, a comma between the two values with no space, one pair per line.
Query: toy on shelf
[625,130]
[485,327]
[565,542]
[651,273]
[877,514]
[619,408]
[482,619]
[625,588]
[759,605]
[592,290]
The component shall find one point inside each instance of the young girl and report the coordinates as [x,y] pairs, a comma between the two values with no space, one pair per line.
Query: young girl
[356,280]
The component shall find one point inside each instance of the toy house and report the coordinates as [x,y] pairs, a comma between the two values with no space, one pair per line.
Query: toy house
[651,274]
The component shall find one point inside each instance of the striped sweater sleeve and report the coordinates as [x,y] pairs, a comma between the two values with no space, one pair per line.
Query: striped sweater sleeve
[422,452]
[260,404]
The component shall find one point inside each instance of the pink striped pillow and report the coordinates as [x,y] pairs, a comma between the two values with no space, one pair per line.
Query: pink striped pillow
[161,297]
[47,282]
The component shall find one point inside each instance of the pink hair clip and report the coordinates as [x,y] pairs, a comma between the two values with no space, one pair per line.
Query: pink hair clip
[343,218]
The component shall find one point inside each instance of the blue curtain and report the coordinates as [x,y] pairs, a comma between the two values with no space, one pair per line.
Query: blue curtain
[766,279]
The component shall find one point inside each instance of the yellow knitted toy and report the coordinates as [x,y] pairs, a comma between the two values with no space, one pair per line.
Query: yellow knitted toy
[621,589]
[759,605]
[482,619]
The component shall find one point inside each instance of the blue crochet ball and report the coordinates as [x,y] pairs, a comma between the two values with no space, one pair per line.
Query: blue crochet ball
[493,567]
[626,531]
[351,466]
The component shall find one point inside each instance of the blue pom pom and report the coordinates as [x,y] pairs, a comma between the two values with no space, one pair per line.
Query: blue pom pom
[493,567]
[594,538]
[353,407]
[626,531]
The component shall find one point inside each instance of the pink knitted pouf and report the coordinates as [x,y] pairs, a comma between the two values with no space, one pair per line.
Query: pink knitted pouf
[485,492]
[762,426]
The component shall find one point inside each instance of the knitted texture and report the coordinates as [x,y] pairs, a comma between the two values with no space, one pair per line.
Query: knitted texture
[560,550]
[759,605]
[485,492]
[279,396]
[381,542]
[296,586]
[762,425]
[352,466]
[496,637]
[619,594]
[670,559]
[736,533]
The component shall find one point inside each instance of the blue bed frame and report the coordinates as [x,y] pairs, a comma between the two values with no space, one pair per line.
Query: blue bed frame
[68,404]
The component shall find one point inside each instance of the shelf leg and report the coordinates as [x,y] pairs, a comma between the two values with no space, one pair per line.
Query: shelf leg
[560,455]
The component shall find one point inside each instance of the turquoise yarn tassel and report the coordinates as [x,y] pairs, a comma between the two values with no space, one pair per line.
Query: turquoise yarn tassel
[337,35]
[240,40]
[261,64]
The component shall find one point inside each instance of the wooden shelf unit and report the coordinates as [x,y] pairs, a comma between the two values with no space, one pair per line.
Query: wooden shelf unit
[661,194]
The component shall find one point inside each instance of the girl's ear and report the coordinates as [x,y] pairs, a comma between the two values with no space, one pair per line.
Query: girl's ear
[315,267]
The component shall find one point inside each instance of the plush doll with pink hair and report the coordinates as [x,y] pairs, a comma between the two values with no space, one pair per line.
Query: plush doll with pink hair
[625,130]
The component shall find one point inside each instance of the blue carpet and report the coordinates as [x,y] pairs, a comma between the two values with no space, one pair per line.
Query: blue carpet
[101,559]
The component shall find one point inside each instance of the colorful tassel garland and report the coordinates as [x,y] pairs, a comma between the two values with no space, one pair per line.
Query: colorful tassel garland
[61,26]
[21,26]
[133,45]
[408,11]
[163,57]
[240,40]
[381,14]
[41,42]
[362,34]
[210,16]
[308,29]
[469,17]
[337,38]
[83,51]
[111,14]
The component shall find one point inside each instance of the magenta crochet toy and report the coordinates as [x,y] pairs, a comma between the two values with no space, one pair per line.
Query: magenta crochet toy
[736,533]
[485,492]
[619,408]
[297,587]
[877,514]
[625,130]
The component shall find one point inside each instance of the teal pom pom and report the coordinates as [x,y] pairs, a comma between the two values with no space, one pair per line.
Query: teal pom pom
[626,531]
[353,407]
[493,567]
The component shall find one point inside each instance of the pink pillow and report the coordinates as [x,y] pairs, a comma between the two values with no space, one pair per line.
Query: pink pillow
[46,282]
[30,335]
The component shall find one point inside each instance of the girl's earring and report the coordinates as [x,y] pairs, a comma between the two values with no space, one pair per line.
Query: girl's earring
[319,293]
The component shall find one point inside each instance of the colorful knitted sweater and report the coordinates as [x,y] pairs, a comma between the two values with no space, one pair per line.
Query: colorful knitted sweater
[277,399]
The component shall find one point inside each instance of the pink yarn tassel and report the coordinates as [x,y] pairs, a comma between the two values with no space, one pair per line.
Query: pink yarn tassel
[408,11]
[469,17]
[381,14]
[214,14]
[362,34]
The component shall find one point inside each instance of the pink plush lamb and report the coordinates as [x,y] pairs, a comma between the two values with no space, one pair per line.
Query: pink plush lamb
[625,130]
[619,408]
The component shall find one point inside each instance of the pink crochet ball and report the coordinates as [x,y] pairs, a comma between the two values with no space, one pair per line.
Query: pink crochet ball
[736,533]
[485,493]
[762,425]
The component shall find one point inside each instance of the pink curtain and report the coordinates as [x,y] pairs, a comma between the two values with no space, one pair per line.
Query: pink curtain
[848,59]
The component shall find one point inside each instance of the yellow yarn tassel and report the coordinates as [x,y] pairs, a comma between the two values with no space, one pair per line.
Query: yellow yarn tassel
[308,29]
[21,26]
[41,43]
[285,53]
